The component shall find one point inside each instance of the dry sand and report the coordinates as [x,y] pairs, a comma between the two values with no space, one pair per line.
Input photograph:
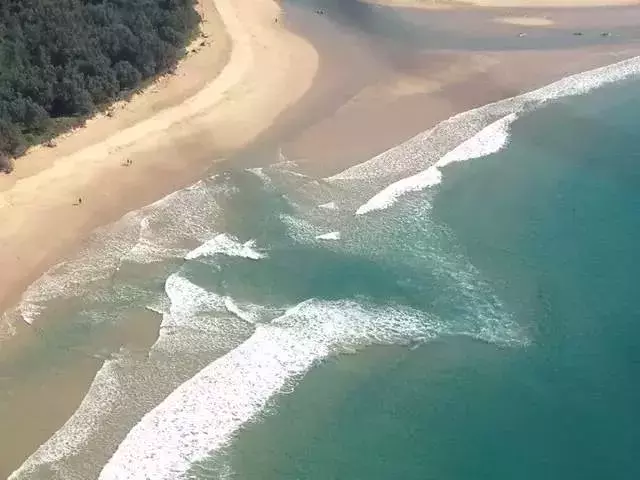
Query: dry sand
[171,133]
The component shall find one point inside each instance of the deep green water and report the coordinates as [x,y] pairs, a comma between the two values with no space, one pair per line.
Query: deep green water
[553,223]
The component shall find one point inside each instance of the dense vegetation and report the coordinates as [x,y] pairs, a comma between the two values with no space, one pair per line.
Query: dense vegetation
[62,59]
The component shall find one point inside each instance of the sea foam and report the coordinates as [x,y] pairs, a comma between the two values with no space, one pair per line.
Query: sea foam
[153,233]
[128,386]
[329,236]
[425,149]
[329,206]
[223,244]
[69,440]
[490,139]
[187,324]
[202,415]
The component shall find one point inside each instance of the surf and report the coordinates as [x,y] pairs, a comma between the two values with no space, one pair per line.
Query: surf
[203,414]
[223,244]
[208,407]
[489,140]
[407,165]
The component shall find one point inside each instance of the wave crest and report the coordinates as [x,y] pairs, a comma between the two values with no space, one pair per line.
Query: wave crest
[489,140]
[224,244]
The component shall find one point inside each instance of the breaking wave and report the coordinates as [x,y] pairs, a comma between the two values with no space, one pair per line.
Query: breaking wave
[425,149]
[202,415]
[224,244]
[490,139]
[69,440]
[329,236]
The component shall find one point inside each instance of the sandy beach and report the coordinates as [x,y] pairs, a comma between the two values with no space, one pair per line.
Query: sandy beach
[323,92]
[239,76]
[170,133]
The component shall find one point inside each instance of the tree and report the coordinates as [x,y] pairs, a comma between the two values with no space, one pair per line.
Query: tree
[127,75]
[63,58]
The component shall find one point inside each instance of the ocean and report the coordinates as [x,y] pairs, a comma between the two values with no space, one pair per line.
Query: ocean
[460,306]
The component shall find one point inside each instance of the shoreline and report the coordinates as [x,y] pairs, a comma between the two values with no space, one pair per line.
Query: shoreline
[449,84]
[228,103]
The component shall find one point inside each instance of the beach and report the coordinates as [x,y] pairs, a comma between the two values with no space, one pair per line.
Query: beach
[170,119]
[140,131]
[312,92]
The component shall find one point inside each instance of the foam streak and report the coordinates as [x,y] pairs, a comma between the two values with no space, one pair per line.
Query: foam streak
[201,415]
[223,244]
[489,140]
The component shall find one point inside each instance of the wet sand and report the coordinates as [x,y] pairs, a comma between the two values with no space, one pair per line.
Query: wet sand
[383,76]
[389,74]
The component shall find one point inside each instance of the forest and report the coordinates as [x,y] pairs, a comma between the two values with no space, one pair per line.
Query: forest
[61,60]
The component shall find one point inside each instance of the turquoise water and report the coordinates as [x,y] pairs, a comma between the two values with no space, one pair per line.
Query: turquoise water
[553,222]
[483,327]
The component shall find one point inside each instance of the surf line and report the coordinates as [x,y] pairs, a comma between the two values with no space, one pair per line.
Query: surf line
[479,132]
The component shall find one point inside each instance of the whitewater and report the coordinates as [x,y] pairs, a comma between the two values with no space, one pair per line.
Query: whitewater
[469,135]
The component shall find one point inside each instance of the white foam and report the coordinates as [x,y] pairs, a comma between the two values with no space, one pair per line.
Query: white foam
[259,172]
[393,161]
[490,139]
[195,316]
[247,312]
[329,206]
[127,387]
[329,236]
[418,151]
[30,311]
[95,262]
[7,325]
[300,229]
[202,414]
[187,301]
[102,396]
[223,244]
[155,309]
[150,234]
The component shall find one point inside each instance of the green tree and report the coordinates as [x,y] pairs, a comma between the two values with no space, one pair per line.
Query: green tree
[63,58]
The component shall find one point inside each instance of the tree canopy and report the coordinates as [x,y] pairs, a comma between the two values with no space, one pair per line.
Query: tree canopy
[61,59]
